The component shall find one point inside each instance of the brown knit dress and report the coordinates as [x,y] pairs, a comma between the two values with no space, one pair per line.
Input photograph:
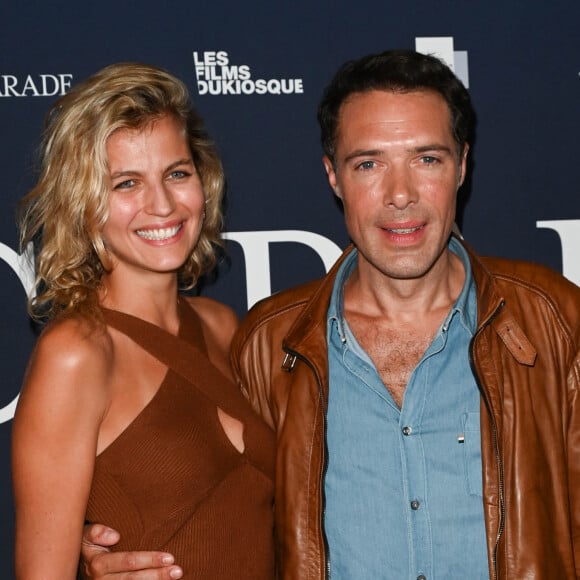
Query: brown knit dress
[172,481]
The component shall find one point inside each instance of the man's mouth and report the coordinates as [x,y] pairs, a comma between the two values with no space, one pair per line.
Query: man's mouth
[402,231]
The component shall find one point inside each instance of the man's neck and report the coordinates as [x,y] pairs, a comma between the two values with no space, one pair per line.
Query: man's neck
[372,294]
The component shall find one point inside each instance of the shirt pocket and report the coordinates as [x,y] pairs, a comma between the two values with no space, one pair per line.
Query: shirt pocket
[472,452]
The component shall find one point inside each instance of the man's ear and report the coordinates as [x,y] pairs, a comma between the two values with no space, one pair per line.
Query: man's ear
[463,165]
[331,175]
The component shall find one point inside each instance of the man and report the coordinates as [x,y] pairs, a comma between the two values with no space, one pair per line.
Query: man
[426,400]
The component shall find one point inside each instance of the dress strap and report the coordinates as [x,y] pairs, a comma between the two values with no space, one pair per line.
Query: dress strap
[183,357]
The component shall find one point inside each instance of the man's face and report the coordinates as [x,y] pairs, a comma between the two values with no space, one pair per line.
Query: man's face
[397,171]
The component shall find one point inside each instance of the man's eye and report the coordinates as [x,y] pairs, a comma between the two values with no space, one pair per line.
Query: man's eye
[429,160]
[365,165]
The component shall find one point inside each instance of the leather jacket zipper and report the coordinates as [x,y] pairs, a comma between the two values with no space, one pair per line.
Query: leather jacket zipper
[326,554]
[495,439]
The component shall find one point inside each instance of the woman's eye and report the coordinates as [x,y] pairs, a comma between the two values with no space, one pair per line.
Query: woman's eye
[178,174]
[124,184]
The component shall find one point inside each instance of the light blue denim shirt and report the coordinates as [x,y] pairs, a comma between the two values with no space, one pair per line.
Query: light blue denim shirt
[403,487]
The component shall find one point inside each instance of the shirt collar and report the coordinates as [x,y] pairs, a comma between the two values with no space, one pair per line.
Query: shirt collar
[336,307]
[465,305]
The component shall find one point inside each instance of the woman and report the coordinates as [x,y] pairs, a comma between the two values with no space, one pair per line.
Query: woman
[127,415]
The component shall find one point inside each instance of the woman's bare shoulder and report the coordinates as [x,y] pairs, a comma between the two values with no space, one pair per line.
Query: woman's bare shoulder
[220,322]
[71,355]
[73,340]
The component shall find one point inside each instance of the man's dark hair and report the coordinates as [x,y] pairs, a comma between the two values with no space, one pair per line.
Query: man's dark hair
[397,71]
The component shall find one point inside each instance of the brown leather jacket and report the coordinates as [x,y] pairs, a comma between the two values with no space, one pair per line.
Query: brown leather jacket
[526,359]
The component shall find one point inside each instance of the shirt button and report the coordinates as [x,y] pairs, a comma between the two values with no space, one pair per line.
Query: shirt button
[421,577]
[415,504]
[407,430]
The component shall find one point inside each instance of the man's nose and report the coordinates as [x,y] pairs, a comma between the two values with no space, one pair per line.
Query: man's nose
[398,187]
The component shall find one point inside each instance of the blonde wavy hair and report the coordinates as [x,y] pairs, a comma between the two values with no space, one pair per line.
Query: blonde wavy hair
[63,215]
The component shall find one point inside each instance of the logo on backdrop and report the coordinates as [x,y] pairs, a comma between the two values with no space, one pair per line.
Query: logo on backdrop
[442,47]
[216,74]
[21,265]
[45,85]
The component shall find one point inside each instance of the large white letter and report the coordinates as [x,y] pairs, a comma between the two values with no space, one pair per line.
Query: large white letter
[569,232]
[255,246]
[22,266]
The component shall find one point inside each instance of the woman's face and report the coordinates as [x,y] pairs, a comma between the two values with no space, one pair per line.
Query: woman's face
[156,200]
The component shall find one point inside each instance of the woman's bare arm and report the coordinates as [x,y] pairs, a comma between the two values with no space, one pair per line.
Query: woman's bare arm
[55,432]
